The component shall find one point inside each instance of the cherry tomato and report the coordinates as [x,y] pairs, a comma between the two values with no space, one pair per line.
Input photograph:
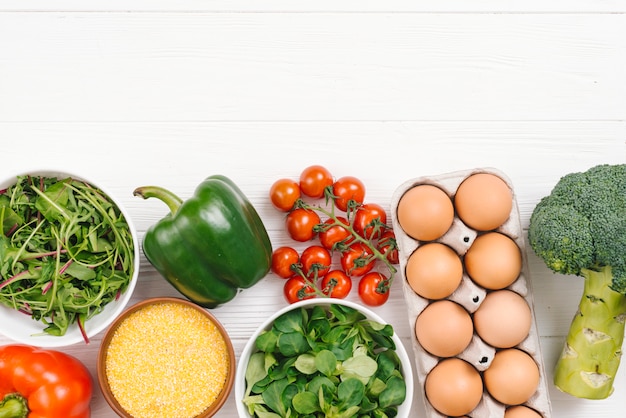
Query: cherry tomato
[284,193]
[369,220]
[374,289]
[331,237]
[316,261]
[296,289]
[282,260]
[314,179]
[336,284]
[346,189]
[300,223]
[357,260]
[388,246]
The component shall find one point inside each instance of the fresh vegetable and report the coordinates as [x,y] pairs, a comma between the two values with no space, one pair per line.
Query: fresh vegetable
[283,258]
[324,362]
[297,288]
[65,252]
[387,245]
[336,284]
[315,261]
[357,259]
[314,180]
[580,229]
[211,245]
[300,224]
[345,226]
[370,289]
[284,194]
[348,192]
[333,234]
[40,383]
[370,220]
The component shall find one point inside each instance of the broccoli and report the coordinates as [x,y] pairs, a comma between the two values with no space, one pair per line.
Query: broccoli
[580,229]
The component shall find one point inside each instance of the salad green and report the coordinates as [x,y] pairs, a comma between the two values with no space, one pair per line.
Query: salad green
[318,361]
[66,251]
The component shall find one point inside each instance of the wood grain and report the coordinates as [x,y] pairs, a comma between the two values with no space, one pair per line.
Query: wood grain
[131,93]
[302,66]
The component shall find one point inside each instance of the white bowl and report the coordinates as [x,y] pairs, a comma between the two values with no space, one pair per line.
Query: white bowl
[404,410]
[23,329]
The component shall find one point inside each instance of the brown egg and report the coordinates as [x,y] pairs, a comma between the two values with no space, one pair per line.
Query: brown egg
[513,376]
[493,261]
[453,387]
[521,411]
[434,270]
[503,319]
[444,328]
[425,212]
[483,201]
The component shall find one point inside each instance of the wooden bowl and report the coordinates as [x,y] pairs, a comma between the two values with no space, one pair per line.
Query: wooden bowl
[131,360]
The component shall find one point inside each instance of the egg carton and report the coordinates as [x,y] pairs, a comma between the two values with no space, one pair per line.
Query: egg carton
[470,295]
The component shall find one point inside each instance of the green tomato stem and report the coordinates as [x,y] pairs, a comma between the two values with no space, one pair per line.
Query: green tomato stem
[591,356]
[376,254]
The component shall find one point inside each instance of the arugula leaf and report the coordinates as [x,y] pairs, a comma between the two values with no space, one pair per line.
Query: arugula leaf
[66,251]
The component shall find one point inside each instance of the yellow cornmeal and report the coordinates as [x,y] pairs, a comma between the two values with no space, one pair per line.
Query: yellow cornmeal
[166,360]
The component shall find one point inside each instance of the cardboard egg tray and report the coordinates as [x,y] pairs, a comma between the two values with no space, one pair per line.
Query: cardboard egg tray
[469,295]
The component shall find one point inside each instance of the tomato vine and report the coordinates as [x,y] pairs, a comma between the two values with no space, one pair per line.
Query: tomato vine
[344,224]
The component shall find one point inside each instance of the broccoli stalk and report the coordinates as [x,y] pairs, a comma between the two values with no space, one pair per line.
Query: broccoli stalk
[580,230]
[596,332]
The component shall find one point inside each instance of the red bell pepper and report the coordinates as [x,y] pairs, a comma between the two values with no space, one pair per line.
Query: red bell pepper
[40,383]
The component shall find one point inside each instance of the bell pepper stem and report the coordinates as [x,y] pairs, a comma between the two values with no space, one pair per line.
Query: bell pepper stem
[13,405]
[172,201]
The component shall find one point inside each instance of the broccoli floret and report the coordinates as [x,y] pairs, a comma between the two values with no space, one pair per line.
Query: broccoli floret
[582,223]
[580,229]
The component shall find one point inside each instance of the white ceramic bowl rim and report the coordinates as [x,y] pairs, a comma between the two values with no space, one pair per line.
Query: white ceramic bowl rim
[404,410]
[23,329]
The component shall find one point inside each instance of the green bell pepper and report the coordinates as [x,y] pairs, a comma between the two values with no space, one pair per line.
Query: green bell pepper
[209,246]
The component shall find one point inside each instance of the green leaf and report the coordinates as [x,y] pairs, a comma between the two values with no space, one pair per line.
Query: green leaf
[375,387]
[388,363]
[292,344]
[9,219]
[394,394]
[267,341]
[326,362]
[273,396]
[350,393]
[320,381]
[306,403]
[262,412]
[305,363]
[52,202]
[255,371]
[291,321]
[80,272]
[360,366]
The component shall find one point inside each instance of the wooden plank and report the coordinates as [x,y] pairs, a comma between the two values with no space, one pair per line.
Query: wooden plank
[453,6]
[303,66]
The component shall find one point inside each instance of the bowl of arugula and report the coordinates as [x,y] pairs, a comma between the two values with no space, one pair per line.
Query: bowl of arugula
[69,258]
[324,357]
